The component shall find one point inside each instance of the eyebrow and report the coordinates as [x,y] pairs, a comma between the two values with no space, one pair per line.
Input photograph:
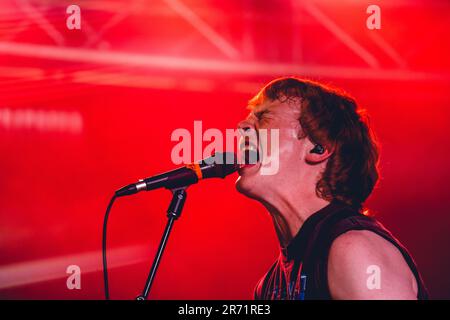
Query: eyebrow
[259,108]
[260,112]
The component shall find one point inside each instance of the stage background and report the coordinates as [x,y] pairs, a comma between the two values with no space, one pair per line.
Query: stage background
[83,112]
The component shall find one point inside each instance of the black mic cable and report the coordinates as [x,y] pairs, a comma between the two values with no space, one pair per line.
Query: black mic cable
[105,262]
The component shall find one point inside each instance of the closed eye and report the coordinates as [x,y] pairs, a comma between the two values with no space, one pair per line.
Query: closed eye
[261,113]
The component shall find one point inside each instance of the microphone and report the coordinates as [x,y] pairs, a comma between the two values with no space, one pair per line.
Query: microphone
[219,165]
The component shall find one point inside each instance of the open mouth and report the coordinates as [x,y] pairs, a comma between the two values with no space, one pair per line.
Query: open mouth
[249,155]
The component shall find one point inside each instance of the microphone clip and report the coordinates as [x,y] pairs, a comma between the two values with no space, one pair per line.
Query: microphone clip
[176,204]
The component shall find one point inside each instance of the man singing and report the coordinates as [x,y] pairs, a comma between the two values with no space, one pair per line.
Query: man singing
[327,168]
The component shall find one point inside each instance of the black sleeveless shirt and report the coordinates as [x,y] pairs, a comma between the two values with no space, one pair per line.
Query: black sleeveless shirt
[300,272]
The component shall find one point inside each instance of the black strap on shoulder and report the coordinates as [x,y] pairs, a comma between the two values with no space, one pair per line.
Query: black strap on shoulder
[316,253]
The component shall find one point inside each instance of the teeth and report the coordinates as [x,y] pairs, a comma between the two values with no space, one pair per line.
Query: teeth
[250,148]
[250,155]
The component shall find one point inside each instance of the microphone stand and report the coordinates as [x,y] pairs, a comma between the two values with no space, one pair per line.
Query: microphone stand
[173,213]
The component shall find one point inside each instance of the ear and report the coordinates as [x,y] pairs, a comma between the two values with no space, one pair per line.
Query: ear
[314,157]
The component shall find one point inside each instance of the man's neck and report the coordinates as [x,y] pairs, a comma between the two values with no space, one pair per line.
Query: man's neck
[288,215]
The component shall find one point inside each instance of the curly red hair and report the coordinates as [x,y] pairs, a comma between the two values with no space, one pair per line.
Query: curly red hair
[330,117]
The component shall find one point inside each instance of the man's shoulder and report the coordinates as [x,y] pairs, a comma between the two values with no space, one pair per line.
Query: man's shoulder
[356,255]
[361,243]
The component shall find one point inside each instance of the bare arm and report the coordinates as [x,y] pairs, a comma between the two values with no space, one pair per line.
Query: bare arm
[363,265]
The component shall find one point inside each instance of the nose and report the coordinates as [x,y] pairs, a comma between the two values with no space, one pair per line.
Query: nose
[245,125]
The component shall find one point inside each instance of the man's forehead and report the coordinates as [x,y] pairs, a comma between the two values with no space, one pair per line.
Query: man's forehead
[276,104]
[268,104]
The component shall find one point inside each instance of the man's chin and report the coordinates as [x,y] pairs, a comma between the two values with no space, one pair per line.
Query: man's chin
[246,187]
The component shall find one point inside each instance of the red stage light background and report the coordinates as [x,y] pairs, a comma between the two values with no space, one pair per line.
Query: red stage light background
[84,112]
